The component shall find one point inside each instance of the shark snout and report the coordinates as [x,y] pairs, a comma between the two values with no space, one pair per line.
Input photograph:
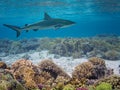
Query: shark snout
[72,22]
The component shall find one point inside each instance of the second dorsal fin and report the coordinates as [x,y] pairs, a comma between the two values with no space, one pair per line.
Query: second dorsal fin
[46,16]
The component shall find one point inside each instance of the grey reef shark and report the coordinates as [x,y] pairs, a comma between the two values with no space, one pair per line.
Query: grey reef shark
[47,23]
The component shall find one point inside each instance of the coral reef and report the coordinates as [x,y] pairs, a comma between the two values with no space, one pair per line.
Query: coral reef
[112,79]
[29,45]
[15,47]
[32,76]
[24,75]
[83,70]
[24,71]
[5,46]
[112,55]
[97,61]
[53,69]
[10,85]
[95,68]
[105,47]
[99,67]
[3,65]
[69,87]
[81,89]
[8,82]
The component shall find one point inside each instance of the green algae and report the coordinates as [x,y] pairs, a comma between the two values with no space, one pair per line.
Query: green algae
[104,86]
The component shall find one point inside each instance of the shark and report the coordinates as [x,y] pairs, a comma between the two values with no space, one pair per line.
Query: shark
[47,23]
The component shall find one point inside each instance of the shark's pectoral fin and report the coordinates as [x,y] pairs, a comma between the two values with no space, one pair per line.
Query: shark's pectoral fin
[35,29]
[56,27]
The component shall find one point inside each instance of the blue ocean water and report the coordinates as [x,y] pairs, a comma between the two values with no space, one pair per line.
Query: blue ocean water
[92,17]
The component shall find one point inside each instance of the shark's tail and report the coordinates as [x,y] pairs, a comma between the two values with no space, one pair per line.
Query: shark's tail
[17,29]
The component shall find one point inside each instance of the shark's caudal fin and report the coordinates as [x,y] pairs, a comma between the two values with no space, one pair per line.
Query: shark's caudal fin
[17,29]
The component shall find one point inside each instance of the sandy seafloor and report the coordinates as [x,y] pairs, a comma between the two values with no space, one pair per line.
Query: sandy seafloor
[66,63]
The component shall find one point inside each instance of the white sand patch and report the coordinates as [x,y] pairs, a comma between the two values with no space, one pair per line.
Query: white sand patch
[114,65]
[67,63]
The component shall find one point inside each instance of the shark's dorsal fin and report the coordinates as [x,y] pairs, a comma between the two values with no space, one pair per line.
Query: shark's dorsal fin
[46,16]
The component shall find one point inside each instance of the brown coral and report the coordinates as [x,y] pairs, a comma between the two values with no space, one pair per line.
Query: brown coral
[95,68]
[28,76]
[24,71]
[3,65]
[20,63]
[99,67]
[97,61]
[83,70]
[8,82]
[52,68]
[42,78]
